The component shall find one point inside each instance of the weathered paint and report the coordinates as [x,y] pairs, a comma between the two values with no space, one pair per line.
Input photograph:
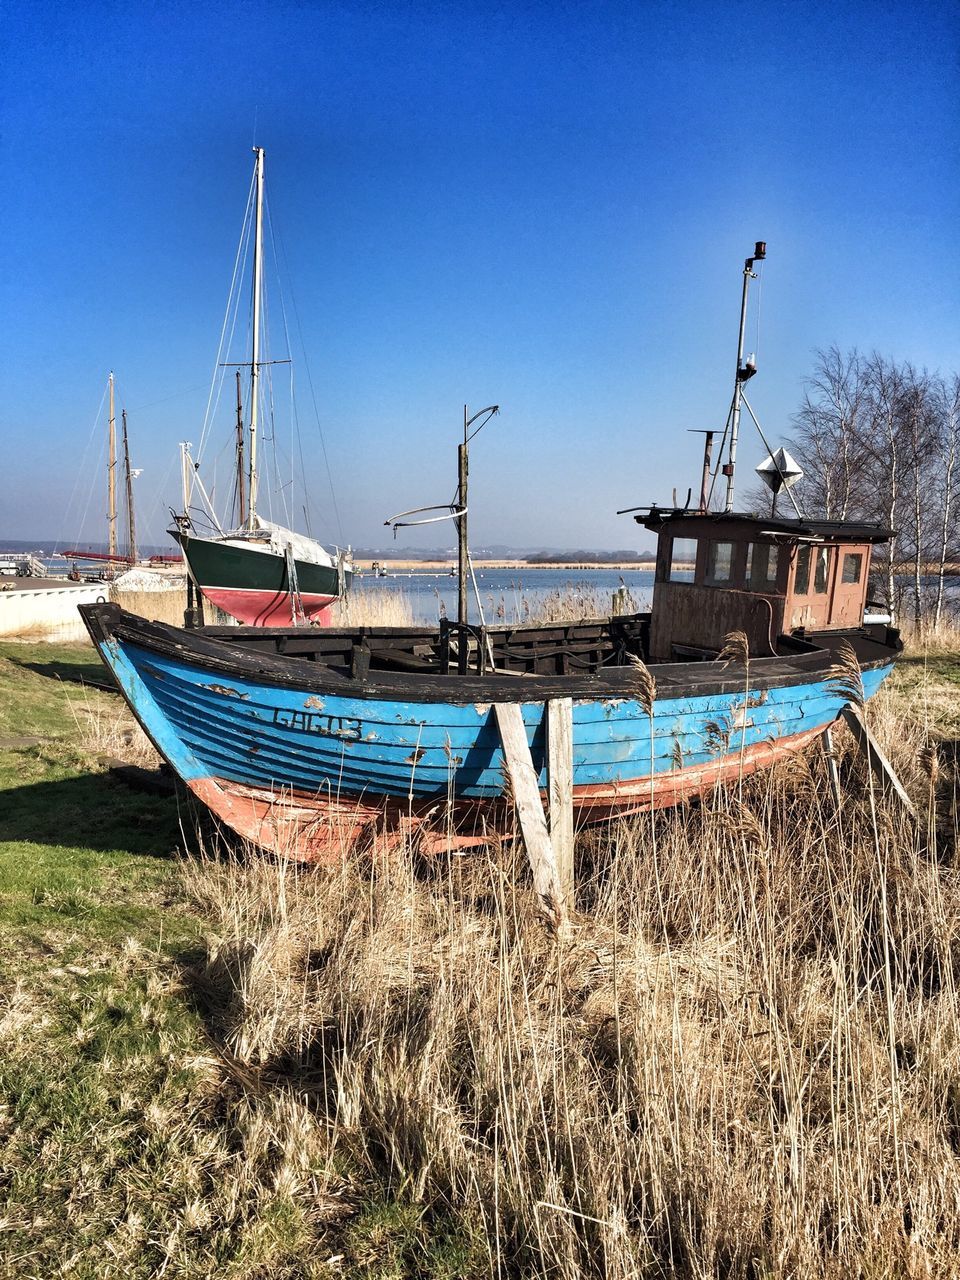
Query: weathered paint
[313,779]
[267,608]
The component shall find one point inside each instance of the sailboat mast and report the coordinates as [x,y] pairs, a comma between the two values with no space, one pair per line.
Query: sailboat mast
[131,522]
[112,479]
[255,357]
[241,480]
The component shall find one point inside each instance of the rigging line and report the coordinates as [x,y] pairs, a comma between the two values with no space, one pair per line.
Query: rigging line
[288,509]
[277,452]
[177,395]
[756,347]
[295,415]
[716,470]
[220,382]
[81,470]
[277,239]
[86,509]
[244,236]
[149,512]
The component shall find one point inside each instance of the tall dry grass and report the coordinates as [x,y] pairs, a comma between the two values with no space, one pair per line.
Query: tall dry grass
[373,608]
[744,1062]
[159,606]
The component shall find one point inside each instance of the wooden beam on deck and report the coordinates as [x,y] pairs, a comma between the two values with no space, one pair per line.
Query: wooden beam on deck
[533,823]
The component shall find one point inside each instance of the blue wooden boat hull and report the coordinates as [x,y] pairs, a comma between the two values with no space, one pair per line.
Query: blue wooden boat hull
[300,761]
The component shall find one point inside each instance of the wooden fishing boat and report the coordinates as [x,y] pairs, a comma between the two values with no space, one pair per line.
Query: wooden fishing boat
[302,740]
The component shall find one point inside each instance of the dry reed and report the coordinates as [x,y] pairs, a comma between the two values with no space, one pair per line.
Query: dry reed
[745,1062]
[372,608]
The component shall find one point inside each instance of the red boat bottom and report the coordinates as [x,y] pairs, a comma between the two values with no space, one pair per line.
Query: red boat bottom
[267,608]
[325,829]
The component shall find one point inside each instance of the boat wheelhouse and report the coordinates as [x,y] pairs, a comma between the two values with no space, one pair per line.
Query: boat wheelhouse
[721,571]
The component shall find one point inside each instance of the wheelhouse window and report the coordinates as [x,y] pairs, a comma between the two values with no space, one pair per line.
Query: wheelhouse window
[720,563]
[683,560]
[801,580]
[821,574]
[812,563]
[761,566]
[852,568]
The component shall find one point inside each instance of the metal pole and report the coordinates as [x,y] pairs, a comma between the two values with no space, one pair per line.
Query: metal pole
[707,458]
[112,480]
[463,544]
[255,358]
[741,374]
[185,476]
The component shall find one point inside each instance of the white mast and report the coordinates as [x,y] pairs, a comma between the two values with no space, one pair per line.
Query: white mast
[255,360]
[112,479]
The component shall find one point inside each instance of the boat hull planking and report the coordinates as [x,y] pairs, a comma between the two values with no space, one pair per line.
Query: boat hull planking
[305,766]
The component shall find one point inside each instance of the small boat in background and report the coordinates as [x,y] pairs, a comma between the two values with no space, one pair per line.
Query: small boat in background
[260,572]
[304,741]
[113,557]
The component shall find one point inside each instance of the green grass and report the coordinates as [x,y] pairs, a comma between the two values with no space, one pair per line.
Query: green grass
[125,1150]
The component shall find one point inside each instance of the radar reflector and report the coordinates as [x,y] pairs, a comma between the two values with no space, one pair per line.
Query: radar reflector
[779,471]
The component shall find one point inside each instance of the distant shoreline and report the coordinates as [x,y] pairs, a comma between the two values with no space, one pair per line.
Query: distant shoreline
[442,566]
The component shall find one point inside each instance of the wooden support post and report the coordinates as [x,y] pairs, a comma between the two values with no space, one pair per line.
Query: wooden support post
[826,740]
[533,822]
[560,788]
[882,768]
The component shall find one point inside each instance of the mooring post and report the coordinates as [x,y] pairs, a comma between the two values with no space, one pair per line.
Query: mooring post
[529,805]
[560,790]
[883,770]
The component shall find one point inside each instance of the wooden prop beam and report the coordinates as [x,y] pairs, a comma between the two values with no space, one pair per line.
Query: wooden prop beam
[560,784]
[883,770]
[533,822]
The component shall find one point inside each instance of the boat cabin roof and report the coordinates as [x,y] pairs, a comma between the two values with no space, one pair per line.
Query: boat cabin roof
[740,525]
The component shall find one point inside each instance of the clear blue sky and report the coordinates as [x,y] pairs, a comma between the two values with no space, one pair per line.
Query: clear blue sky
[545,205]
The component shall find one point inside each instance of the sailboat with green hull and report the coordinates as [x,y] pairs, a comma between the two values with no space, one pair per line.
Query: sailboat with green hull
[260,573]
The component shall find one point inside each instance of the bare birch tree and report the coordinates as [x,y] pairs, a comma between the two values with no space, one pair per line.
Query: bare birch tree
[948,497]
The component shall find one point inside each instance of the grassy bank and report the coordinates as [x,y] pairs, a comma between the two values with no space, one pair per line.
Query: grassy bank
[746,1062]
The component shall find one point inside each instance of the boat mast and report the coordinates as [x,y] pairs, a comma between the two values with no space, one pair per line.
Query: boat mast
[255,356]
[112,478]
[131,522]
[241,497]
[463,544]
[744,371]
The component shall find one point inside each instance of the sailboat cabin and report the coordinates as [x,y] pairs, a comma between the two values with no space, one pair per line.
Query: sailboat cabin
[719,572]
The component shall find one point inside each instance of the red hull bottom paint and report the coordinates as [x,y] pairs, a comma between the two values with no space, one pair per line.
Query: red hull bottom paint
[267,608]
[318,828]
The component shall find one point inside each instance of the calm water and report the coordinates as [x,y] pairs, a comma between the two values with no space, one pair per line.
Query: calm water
[508,595]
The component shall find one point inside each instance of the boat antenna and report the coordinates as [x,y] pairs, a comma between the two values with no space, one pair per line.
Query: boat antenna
[745,371]
[255,354]
[463,469]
